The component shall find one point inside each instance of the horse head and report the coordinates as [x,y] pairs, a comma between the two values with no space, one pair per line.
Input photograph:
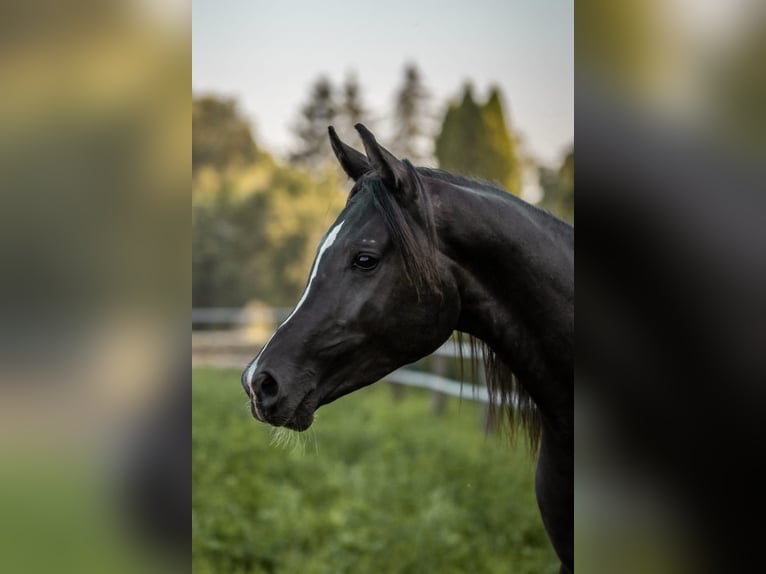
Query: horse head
[379,295]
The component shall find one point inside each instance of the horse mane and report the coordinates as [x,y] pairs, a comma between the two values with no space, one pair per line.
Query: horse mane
[496,189]
[511,408]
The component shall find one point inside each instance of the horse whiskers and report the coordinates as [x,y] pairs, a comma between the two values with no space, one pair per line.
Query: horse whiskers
[282,437]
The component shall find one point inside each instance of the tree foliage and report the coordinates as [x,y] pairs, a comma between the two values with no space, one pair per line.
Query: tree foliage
[475,141]
[254,229]
[221,136]
[258,243]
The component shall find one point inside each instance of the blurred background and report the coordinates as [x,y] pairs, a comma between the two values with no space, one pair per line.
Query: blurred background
[95,167]
[671,318]
[411,474]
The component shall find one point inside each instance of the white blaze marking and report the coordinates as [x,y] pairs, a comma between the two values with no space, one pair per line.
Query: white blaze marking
[329,240]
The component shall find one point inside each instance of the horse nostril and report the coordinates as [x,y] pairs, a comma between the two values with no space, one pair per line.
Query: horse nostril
[266,390]
[269,387]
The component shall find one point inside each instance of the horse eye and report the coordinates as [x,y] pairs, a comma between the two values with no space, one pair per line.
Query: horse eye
[365,262]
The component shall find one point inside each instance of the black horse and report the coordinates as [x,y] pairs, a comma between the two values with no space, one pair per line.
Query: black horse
[416,254]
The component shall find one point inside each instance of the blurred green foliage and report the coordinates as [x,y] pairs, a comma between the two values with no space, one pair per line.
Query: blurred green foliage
[255,222]
[220,135]
[380,487]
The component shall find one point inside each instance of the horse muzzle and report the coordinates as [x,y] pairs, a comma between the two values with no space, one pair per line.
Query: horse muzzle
[270,403]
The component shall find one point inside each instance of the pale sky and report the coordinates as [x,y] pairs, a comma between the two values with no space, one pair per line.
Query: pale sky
[268,53]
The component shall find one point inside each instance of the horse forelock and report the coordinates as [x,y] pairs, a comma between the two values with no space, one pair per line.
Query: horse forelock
[411,228]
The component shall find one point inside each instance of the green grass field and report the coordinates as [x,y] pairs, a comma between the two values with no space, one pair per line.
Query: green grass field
[376,487]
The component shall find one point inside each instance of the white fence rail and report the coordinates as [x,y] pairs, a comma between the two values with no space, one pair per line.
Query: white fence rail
[438,384]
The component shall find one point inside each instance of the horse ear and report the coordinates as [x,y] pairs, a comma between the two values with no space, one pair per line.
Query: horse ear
[392,171]
[354,163]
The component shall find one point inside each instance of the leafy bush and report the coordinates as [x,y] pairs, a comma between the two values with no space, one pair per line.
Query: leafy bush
[377,487]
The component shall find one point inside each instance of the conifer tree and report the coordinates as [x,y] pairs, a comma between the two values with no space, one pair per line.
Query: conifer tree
[411,117]
[313,147]
[352,109]
[475,141]
[457,145]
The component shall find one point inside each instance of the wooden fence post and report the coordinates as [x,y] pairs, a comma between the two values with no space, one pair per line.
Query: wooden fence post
[397,391]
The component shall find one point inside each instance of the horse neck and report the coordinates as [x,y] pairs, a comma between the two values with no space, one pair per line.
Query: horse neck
[514,269]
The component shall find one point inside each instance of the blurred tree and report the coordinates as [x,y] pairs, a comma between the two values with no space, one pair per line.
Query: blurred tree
[216,252]
[221,136]
[255,236]
[558,188]
[313,146]
[455,146]
[352,109]
[475,141]
[255,222]
[410,118]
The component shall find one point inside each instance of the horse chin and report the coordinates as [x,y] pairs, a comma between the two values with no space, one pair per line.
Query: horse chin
[303,416]
[300,422]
